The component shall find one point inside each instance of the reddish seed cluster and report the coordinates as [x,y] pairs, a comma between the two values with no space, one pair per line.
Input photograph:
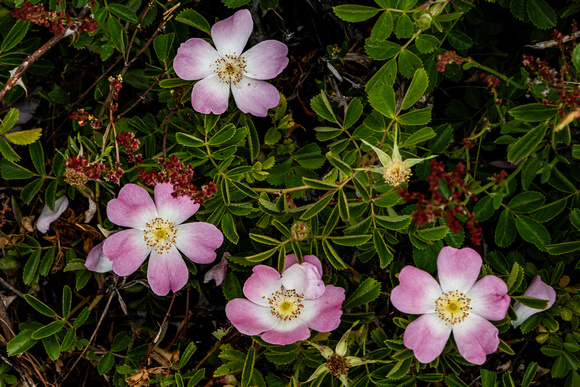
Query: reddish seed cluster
[491,82]
[449,57]
[116,85]
[3,212]
[499,177]
[130,144]
[79,171]
[180,175]
[428,210]
[83,117]
[55,21]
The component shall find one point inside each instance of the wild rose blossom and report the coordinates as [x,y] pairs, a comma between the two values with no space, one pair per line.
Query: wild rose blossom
[229,67]
[157,229]
[456,304]
[47,216]
[537,289]
[282,308]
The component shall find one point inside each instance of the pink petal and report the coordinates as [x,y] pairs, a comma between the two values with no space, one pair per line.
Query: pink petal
[537,289]
[198,241]
[194,59]
[127,249]
[475,337]
[47,216]
[266,59]
[166,272]
[97,261]
[323,314]
[217,272]
[427,337]
[249,318]
[255,97]
[416,293]
[133,208]
[312,259]
[458,268]
[305,279]
[210,95]
[489,298]
[287,332]
[231,35]
[262,283]
[176,210]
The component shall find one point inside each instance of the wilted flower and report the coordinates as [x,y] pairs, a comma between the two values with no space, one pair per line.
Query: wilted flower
[157,229]
[537,289]
[231,68]
[97,261]
[218,272]
[282,308]
[47,216]
[456,304]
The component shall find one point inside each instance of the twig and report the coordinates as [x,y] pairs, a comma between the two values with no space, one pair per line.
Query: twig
[154,342]
[552,43]
[142,96]
[5,283]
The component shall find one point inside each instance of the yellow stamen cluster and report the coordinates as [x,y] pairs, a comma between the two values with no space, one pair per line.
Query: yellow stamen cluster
[230,69]
[286,304]
[160,235]
[453,307]
[397,172]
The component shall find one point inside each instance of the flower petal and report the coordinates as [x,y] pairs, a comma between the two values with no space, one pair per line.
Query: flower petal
[427,337]
[194,59]
[198,241]
[475,337]
[266,59]
[323,313]
[127,249]
[537,289]
[489,298]
[166,271]
[210,95]
[312,259]
[176,210]
[262,283]
[218,272]
[287,332]
[416,292]
[458,268]
[97,261]
[231,35]
[255,97]
[249,318]
[133,208]
[305,279]
[47,216]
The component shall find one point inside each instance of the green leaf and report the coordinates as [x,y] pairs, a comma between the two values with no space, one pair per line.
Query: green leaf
[576,58]
[9,120]
[339,164]
[382,98]
[229,228]
[82,317]
[416,117]
[563,248]
[223,135]
[534,112]
[248,367]
[31,267]
[245,189]
[426,43]
[453,381]
[51,346]
[319,184]
[37,156]
[383,27]
[173,83]
[505,231]
[575,218]
[418,137]
[404,27]
[541,14]
[187,354]
[66,301]
[39,306]
[343,206]
[333,256]
[355,13]
[21,342]
[526,202]
[121,342]
[31,189]
[194,19]
[459,40]
[526,144]
[116,33]
[262,256]
[272,136]
[367,291]
[433,233]
[353,112]
[321,106]
[351,240]
[106,363]
[162,45]
[17,32]
[123,12]
[549,211]
[381,50]
[315,208]
[48,330]
[515,278]
[533,232]
[531,302]
[529,374]
[385,256]
[187,139]
[7,151]
[409,63]
[417,88]
[235,3]
[24,137]
[386,74]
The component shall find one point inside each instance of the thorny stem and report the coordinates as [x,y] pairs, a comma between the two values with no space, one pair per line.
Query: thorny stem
[142,96]
[154,342]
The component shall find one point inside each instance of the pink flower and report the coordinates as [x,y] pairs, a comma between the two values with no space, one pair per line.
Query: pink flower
[47,216]
[157,228]
[231,68]
[456,304]
[97,261]
[282,308]
[537,289]
[218,272]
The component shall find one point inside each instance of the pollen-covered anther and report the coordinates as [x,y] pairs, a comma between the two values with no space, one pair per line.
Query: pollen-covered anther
[160,234]
[453,307]
[230,68]
[285,304]
[397,172]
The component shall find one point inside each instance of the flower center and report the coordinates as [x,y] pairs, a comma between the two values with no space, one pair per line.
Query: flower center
[397,172]
[285,304]
[159,234]
[230,69]
[453,307]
